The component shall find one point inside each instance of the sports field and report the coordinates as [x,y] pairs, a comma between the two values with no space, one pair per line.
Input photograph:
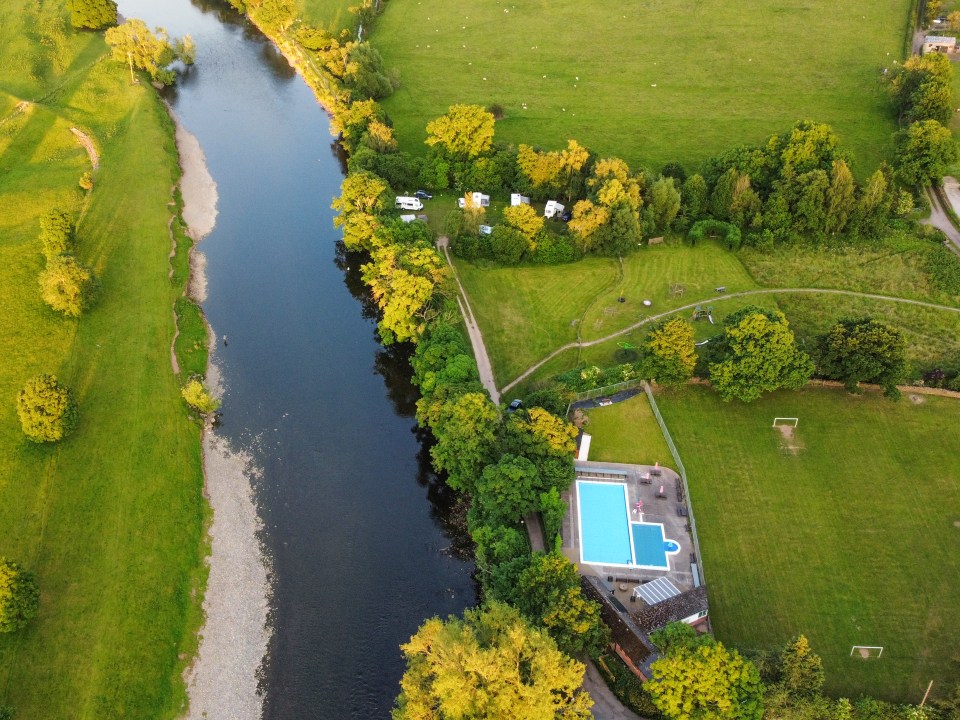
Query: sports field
[110,519]
[848,531]
[651,82]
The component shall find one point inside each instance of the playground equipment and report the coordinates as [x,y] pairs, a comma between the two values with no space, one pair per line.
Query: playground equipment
[623,345]
[700,312]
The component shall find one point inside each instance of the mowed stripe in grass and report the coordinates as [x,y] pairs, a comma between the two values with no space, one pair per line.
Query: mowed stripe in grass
[111,518]
[654,82]
[850,539]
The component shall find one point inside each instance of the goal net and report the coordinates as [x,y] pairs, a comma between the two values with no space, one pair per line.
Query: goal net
[785,422]
[866,651]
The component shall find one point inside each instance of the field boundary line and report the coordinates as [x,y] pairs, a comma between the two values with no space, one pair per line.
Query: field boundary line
[743,293]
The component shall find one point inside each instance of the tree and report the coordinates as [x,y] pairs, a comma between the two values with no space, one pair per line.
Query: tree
[56,233]
[546,439]
[673,356]
[586,221]
[402,280]
[508,245]
[623,234]
[92,14]
[490,665]
[932,10]
[47,409]
[553,171]
[525,219]
[67,286]
[678,636]
[133,44]
[801,670]
[19,596]
[694,197]
[807,146]
[864,350]
[352,121]
[925,150]
[465,132]
[366,74]
[921,88]
[465,427]
[809,201]
[759,355]
[708,682]
[663,203]
[840,197]
[199,398]
[507,491]
[363,196]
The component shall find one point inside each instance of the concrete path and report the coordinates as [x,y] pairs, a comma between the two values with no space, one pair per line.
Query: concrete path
[938,216]
[476,338]
[746,293]
[606,706]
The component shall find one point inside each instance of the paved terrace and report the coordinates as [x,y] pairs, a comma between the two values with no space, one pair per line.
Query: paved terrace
[670,510]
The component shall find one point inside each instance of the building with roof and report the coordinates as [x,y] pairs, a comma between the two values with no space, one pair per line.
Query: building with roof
[939,43]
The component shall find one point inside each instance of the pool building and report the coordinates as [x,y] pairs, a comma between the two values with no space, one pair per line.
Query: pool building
[628,529]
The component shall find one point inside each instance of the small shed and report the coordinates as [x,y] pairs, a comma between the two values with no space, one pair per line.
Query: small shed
[553,209]
[518,199]
[939,43]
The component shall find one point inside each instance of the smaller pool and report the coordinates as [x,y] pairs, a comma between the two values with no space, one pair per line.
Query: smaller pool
[670,547]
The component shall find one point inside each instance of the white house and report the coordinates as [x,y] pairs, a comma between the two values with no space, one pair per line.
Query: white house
[479,200]
[939,43]
[518,199]
[553,209]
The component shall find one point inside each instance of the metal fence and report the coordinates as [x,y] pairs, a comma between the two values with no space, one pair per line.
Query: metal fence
[683,475]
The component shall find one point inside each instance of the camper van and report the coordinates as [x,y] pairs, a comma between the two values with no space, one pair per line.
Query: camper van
[479,200]
[518,199]
[553,209]
[408,203]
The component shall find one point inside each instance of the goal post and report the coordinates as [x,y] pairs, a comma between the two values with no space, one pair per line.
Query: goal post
[785,421]
[866,651]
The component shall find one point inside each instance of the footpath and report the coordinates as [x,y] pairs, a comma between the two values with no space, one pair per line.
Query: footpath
[938,214]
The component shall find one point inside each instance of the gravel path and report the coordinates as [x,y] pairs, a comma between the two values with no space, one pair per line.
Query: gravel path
[938,216]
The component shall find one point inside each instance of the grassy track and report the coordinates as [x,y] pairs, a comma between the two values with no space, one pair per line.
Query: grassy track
[688,79]
[853,539]
[110,519]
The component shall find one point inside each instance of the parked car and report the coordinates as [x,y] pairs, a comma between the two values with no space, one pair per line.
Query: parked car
[567,216]
[515,405]
[423,195]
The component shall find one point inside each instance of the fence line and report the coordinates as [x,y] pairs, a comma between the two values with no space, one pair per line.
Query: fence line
[683,475]
[598,392]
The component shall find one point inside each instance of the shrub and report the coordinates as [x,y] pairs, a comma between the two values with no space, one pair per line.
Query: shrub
[19,596]
[554,249]
[199,398]
[86,183]
[943,268]
[56,233]
[67,286]
[47,410]
[507,245]
[92,14]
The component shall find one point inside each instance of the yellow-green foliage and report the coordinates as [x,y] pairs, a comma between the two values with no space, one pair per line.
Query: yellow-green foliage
[199,398]
[47,409]
[19,596]
[67,286]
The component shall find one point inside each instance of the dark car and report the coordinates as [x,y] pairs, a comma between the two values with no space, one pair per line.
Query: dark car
[567,216]
[514,406]
[423,195]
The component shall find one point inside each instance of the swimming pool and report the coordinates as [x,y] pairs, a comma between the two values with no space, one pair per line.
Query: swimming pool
[607,535]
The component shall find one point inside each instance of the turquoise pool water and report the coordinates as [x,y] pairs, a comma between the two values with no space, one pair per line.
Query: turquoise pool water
[604,523]
[650,546]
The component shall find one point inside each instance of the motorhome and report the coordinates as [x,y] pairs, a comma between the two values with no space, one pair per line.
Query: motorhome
[404,202]
[553,209]
[479,200]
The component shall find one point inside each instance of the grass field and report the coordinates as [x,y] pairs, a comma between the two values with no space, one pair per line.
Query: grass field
[687,79]
[330,14]
[853,539]
[627,432]
[110,519]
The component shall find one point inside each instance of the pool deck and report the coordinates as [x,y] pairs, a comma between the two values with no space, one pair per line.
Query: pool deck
[664,510]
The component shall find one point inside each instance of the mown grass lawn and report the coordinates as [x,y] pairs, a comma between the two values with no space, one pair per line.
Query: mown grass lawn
[853,539]
[654,82]
[330,14]
[110,519]
[627,432]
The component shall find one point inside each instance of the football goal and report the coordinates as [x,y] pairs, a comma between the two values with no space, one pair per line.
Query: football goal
[785,422]
[866,651]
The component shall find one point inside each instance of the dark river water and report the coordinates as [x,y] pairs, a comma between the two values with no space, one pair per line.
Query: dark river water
[354,518]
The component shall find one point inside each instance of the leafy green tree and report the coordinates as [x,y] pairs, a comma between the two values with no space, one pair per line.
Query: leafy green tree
[759,355]
[465,428]
[403,280]
[199,398]
[709,682]
[19,596]
[663,203]
[465,132]
[507,491]
[808,194]
[546,439]
[677,636]
[806,147]
[56,233]
[133,44]
[48,411]
[694,197]
[672,355]
[351,121]
[801,670]
[67,286]
[924,151]
[508,245]
[273,15]
[554,171]
[489,666]
[623,234]
[525,219]
[92,14]
[840,198]
[548,594]
[363,196]
[922,89]
[864,350]
[366,74]
[872,207]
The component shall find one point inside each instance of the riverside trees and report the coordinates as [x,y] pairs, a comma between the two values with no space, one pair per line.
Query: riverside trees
[134,44]
[92,14]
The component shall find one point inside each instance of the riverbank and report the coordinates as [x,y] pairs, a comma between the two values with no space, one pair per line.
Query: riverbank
[222,681]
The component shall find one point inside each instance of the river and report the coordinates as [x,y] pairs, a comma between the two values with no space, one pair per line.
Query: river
[354,520]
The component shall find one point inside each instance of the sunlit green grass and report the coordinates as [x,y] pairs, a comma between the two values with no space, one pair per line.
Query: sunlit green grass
[652,82]
[627,432]
[851,540]
[111,518]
